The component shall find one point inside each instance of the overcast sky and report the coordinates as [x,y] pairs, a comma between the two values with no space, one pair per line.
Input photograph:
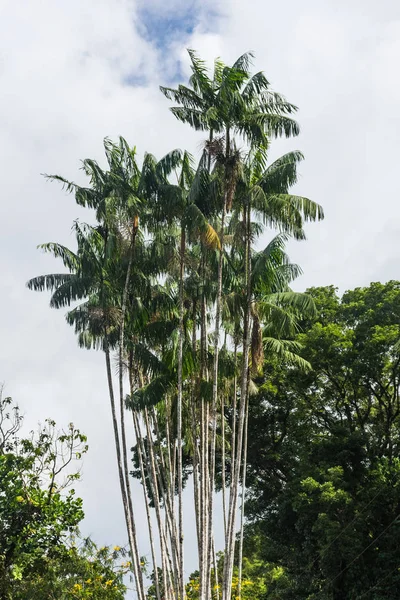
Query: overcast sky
[75,71]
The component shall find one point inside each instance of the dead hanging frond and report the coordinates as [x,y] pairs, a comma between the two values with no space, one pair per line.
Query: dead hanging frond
[230,159]
[210,238]
[257,349]
[233,167]
[216,149]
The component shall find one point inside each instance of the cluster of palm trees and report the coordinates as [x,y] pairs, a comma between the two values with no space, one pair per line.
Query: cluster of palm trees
[170,282]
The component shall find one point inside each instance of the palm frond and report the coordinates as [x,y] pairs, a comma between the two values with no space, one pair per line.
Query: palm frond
[69,258]
[148,363]
[200,80]
[303,304]
[243,63]
[195,222]
[286,351]
[73,289]
[48,282]
[196,118]
[151,394]
[255,86]
[281,174]
[169,163]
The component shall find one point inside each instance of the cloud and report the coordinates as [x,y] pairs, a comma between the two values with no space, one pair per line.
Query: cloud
[74,72]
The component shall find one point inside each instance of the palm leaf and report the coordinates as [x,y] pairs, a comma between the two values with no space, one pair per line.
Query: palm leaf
[69,258]
[253,88]
[169,163]
[196,118]
[286,351]
[48,282]
[75,288]
[151,394]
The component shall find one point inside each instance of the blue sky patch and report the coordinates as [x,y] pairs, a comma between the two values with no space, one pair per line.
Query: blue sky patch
[162,29]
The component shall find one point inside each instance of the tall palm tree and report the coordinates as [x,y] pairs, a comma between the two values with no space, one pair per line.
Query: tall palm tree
[96,275]
[263,192]
[179,204]
[93,275]
[231,103]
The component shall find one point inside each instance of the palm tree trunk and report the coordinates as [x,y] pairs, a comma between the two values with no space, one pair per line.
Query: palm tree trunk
[195,457]
[204,480]
[121,378]
[215,562]
[170,458]
[167,494]
[156,499]
[140,448]
[215,368]
[234,421]
[230,540]
[244,469]
[223,462]
[129,517]
[203,500]
[141,456]
[179,418]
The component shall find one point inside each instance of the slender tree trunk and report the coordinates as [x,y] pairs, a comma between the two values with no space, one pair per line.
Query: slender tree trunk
[121,383]
[234,421]
[244,469]
[140,448]
[179,418]
[204,480]
[170,457]
[203,501]
[215,371]
[223,462]
[141,457]
[215,385]
[167,494]
[156,498]
[130,523]
[230,541]
[215,562]
[195,458]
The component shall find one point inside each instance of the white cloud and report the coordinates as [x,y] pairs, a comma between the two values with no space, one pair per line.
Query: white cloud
[62,67]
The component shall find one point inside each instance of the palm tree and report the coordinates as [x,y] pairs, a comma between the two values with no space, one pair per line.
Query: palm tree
[231,103]
[95,273]
[264,192]
[178,204]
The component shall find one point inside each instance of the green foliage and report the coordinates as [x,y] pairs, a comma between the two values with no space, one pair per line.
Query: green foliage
[79,571]
[232,98]
[324,471]
[40,553]
[253,584]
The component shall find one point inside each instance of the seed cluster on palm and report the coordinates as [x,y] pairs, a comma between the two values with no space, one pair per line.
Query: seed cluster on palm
[171,280]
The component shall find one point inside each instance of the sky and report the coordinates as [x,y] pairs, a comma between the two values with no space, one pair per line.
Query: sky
[72,73]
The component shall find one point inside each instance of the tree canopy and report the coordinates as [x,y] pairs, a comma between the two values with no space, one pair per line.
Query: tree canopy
[41,552]
[324,453]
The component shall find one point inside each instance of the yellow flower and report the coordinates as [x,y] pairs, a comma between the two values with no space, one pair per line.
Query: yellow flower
[109,582]
[88,580]
[117,548]
[77,587]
